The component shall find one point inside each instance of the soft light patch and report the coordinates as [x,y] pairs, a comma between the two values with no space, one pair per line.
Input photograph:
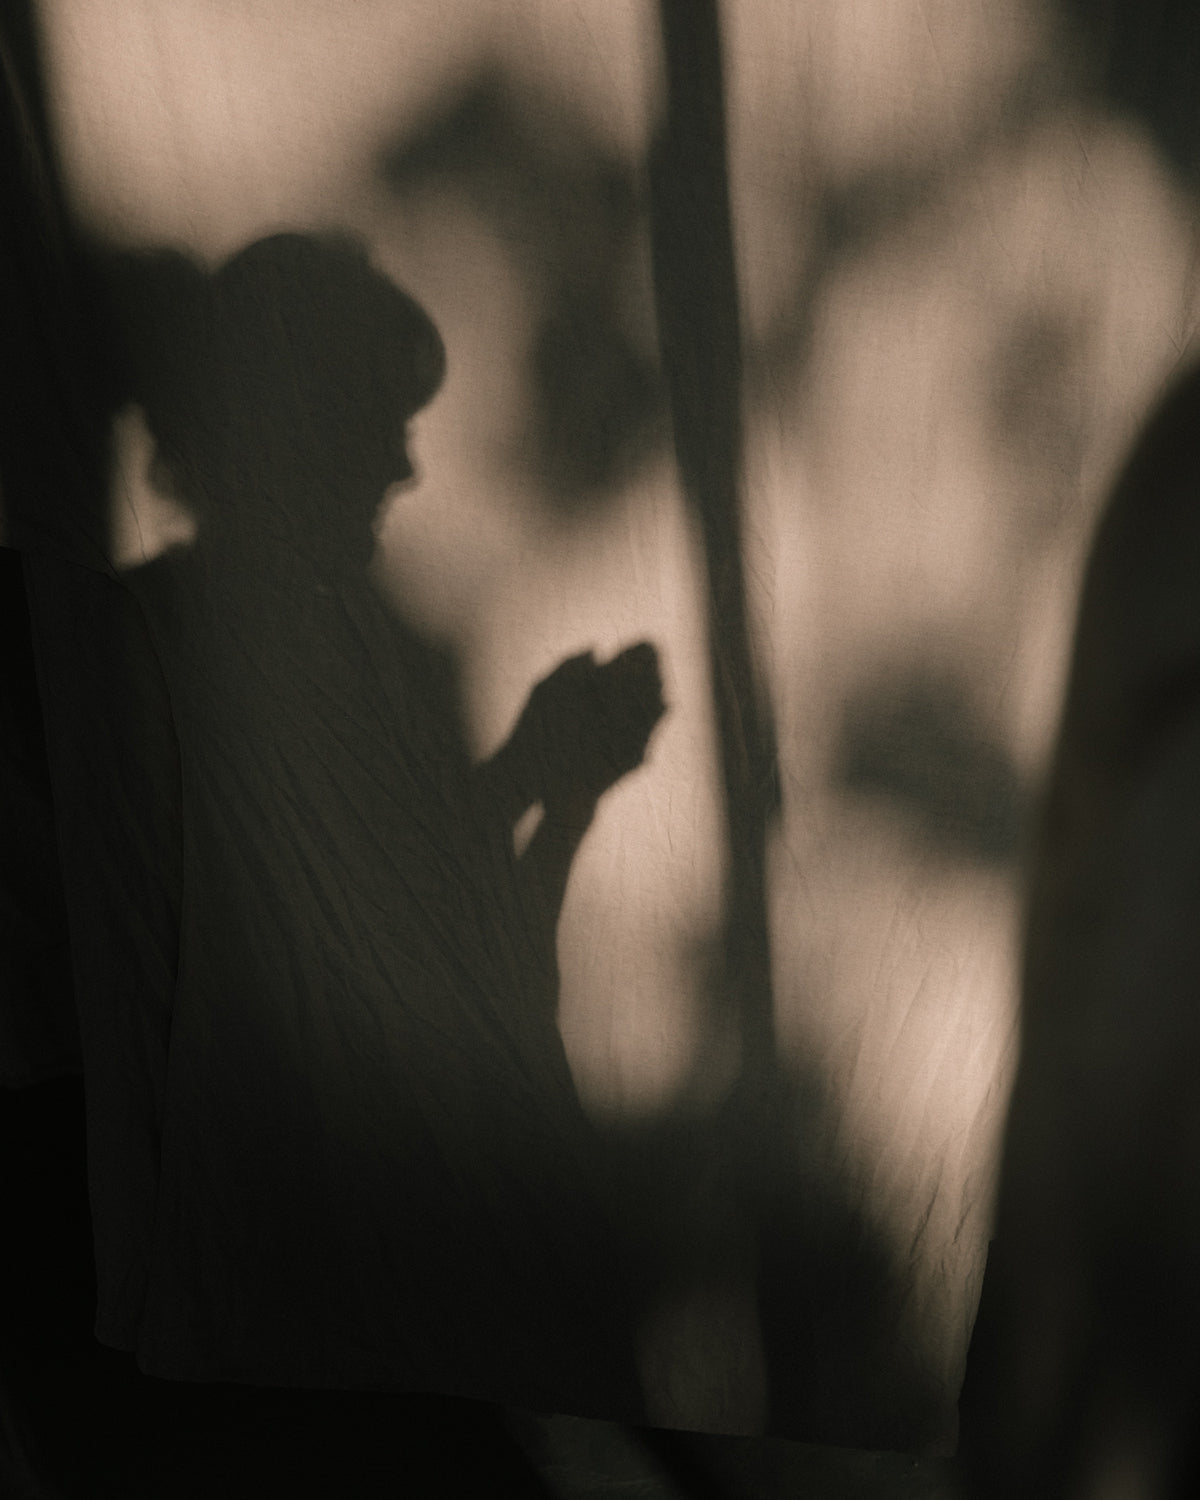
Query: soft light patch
[146,518]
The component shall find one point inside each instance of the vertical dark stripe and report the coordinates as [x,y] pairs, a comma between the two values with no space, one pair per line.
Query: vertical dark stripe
[699,328]
[53,411]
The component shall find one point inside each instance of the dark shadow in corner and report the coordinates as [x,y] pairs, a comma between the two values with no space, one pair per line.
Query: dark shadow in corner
[1082,1371]
[1143,57]
[54,431]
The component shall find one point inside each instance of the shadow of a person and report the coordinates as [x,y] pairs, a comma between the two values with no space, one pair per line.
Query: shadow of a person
[375,1168]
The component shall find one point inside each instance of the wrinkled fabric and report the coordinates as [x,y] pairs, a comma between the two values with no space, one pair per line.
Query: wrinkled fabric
[368,1103]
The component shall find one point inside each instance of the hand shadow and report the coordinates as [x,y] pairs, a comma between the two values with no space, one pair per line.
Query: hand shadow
[584,727]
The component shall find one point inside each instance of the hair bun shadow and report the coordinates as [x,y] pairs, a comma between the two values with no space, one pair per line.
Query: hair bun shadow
[297,357]
[154,319]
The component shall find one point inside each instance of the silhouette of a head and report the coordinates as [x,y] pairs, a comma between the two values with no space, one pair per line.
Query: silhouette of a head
[278,388]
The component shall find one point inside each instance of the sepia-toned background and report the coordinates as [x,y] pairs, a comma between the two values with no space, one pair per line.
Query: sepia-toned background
[965,273]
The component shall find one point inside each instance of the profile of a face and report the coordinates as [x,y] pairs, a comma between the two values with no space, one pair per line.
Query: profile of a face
[279,390]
